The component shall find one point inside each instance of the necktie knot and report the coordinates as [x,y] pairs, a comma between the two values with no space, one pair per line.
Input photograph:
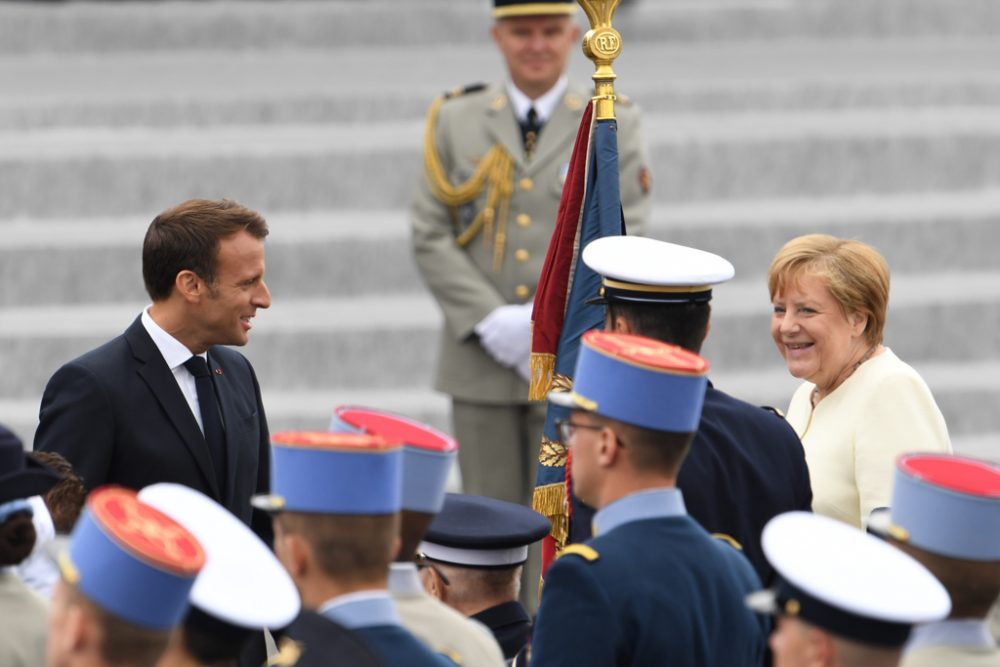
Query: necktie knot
[197,367]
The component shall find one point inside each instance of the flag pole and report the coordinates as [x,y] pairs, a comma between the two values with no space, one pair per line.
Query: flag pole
[602,44]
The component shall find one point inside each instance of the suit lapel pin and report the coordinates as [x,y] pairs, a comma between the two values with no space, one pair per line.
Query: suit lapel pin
[218,371]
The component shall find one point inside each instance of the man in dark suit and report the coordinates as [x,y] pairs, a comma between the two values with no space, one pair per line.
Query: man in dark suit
[165,402]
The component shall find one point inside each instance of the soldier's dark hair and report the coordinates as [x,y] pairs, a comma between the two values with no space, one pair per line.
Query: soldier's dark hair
[212,641]
[17,539]
[186,237]
[972,585]
[683,324]
[659,451]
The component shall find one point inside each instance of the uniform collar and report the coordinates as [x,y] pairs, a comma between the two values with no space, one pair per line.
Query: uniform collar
[174,352]
[404,580]
[361,610]
[653,504]
[545,105]
[969,633]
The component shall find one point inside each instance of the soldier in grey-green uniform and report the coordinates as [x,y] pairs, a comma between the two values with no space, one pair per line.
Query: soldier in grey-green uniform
[495,160]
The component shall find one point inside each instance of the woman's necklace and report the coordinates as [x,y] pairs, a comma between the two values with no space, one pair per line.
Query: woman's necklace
[850,371]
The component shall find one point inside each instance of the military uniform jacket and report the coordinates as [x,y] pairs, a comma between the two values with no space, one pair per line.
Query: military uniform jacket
[656,591]
[25,623]
[465,281]
[443,629]
[745,466]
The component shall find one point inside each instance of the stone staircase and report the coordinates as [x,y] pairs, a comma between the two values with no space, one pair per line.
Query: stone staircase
[765,119]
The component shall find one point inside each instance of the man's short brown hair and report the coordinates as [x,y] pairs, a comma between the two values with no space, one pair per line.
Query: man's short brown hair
[187,236]
[356,548]
[659,451]
[122,642]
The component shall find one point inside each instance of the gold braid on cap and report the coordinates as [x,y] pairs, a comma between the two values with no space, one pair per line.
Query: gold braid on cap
[495,171]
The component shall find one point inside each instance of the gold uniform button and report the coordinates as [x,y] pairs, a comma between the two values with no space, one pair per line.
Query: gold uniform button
[527,184]
[522,255]
[523,220]
[521,291]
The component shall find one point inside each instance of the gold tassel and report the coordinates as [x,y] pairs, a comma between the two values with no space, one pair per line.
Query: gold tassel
[550,500]
[543,370]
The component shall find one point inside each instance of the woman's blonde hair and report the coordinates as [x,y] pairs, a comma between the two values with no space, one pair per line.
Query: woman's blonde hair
[856,275]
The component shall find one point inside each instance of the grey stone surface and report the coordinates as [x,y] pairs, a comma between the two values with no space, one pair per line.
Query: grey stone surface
[875,119]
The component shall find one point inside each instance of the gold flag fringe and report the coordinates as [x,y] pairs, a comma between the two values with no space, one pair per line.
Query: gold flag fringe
[550,500]
[543,370]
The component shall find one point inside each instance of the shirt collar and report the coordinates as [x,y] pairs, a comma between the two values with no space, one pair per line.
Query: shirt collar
[363,609]
[174,352]
[545,105]
[966,632]
[404,580]
[652,504]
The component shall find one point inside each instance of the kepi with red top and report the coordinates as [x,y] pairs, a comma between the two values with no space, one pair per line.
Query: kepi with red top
[428,454]
[639,381]
[947,505]
[132,560]
[333,473]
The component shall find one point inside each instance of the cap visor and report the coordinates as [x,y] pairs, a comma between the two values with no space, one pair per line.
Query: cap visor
[571,400]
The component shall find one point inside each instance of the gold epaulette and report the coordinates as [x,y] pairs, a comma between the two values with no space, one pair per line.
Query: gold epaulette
[722,537]
[495,170]
[581,550]
[289,652]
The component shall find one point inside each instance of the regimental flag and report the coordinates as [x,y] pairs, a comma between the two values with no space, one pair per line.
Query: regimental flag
[590,208]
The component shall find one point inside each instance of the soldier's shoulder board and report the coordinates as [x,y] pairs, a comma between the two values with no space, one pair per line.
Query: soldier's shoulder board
[464,90]
[582,550]
[728,539]
[773,410]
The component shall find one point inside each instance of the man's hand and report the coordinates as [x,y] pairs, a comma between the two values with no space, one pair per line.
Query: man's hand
[506,335]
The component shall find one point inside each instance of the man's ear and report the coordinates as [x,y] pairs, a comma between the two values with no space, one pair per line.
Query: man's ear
[607,451]
[189,285]
[299,555]
[620,325]
[820,648]
[79,634]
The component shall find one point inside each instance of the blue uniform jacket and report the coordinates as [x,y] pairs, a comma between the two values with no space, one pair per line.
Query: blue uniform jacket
[653,591]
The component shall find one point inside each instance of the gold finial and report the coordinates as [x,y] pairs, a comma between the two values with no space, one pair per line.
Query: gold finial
[602,44]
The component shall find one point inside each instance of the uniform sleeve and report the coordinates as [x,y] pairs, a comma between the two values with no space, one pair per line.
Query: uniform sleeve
[575,625]
[463,293]
[901,418]
[633,168]
[76,420]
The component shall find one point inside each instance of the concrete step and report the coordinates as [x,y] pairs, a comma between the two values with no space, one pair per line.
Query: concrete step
[694,157]
[375,84]
[355,253]
[390,340]
[322,24]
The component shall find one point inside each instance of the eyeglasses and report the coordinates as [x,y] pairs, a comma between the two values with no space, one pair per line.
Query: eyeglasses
[565,428]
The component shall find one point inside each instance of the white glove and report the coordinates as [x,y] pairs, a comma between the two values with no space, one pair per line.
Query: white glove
[506,334]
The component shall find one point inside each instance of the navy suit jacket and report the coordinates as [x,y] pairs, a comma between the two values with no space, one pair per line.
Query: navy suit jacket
[117,414]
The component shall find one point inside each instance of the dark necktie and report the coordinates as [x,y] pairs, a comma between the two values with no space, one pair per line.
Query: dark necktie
[211,420]
[529,131]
